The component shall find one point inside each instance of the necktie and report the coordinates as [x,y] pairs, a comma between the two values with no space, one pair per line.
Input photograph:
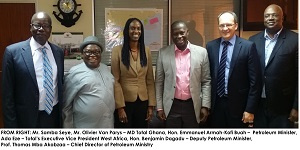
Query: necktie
[47,82]
[221,70]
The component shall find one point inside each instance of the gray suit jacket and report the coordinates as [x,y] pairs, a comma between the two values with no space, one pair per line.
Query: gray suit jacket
[165,78]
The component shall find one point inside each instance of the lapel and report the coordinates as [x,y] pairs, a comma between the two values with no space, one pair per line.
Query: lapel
[27,57]
[260,44]
[236,50]
[137,63]
[193,59]
[171,57]
[277,46]
[215,53]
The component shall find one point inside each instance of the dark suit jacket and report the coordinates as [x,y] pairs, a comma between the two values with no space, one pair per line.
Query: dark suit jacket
[280,75]
[244,82]
[20,93]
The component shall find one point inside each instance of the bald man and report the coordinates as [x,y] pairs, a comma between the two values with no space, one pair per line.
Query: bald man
[278,51]
[29,98]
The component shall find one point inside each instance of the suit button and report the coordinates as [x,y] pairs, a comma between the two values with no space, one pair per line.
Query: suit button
[265,77]
[174,86]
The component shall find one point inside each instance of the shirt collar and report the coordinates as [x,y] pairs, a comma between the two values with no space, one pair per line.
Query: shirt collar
[275,36]
[232,40]
[188,47]
[35,45]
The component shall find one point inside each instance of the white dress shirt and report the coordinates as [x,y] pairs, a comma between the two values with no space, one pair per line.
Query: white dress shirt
[37,57]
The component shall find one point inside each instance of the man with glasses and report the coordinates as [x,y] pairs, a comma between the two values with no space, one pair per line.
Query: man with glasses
[89,90]
[235,73]
[32,79]
[278,50]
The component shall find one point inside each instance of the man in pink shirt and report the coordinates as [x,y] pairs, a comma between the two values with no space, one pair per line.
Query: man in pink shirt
[182,81]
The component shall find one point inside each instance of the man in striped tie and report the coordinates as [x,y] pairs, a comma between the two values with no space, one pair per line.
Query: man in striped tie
[32,79]
[235,73]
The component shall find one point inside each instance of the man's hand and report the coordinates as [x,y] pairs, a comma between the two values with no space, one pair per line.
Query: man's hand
[204,114]
[161,115]
[293,115]
[248,118]
[122,115]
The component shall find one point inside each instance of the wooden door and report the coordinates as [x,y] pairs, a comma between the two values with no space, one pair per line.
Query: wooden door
[14,27]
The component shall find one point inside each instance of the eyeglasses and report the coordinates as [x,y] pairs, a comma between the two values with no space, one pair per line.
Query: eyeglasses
[39,26]
[222,26]
[89,53]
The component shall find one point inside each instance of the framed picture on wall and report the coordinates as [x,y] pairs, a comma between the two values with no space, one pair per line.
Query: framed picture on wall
[116,18]
[253,13]
[70,43]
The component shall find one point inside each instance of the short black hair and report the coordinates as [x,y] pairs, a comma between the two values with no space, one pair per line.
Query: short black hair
[178,22]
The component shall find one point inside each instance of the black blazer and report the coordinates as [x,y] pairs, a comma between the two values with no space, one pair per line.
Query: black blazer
[244,81]
[20,93]
[280,75]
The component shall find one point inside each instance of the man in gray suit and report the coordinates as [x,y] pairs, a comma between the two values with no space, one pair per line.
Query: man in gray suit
[182,81]
[30,98]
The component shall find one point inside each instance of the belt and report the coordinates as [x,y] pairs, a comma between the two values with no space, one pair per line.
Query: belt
[180,100]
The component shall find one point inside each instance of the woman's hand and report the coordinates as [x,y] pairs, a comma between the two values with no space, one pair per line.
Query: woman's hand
[149,113]
[122,115]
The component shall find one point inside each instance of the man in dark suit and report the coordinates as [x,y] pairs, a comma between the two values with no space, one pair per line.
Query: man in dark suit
[235,74]
[33,79]
[278,51]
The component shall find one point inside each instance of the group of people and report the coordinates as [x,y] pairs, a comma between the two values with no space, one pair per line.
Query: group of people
[232,83]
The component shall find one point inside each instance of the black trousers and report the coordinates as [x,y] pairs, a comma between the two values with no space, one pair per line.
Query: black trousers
[266,118]
[49,121]
[136,114]
[182,115]
[222,118]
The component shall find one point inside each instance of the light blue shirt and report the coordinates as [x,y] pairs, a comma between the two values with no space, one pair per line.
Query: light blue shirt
[228,60]
[269,46]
